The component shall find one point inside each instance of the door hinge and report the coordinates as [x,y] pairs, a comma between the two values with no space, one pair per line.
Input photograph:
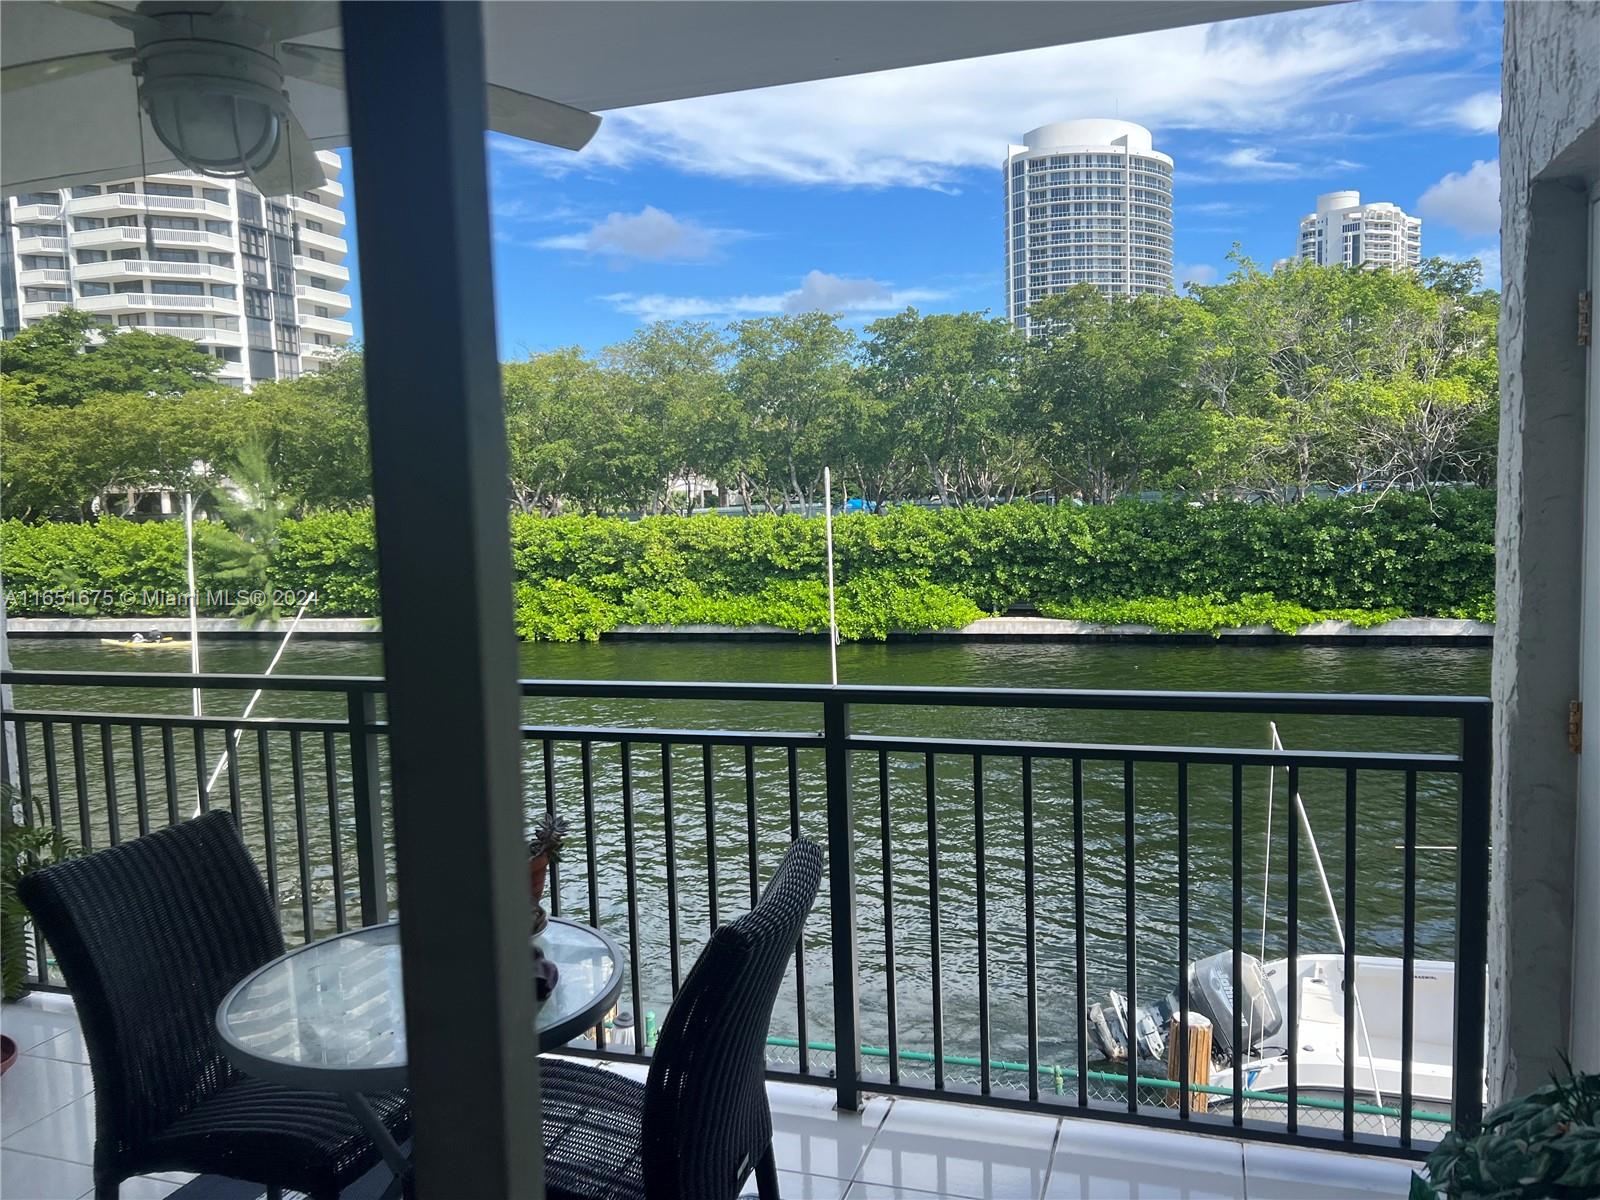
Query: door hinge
[1585,317]
[1575,726]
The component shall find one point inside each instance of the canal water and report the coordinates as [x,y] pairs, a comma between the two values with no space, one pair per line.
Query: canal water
[898,889]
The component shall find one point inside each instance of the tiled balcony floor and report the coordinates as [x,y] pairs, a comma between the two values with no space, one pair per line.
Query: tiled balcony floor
[901,1149]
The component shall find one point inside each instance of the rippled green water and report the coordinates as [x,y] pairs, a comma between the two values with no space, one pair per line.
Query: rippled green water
[1137,665]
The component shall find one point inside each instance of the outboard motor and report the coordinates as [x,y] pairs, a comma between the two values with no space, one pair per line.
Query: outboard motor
[1211,994]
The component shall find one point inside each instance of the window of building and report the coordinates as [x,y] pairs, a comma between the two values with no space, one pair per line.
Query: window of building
[312,196]
[221,228]
[85,189]
[95,289]
[322,339]
[131,318]
[317,281]
[257,303]
[163,222]
[253,240]
[224,291]
[282,279]
[179,256]
[218,259]
[180,320]
[227,353]
[168,189]
[322,310]
[215,195]
[39,198]
[288,340]
[319,256]
[43,262]
[35,295]
[82,223]
[91,256]
[129,255]
[314,226]
[177,287]
[255,271]
[288,367]
[42,230]
[132,287]
[226,323]
[278,219]
[121,187]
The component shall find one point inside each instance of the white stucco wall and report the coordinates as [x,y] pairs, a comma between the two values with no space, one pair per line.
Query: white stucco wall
[1550,156]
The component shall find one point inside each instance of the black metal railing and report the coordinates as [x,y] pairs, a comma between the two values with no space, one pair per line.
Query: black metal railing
[981,890]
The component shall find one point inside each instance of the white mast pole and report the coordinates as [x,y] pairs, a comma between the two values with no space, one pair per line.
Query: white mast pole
[194,609]
[833,620]
[256,696]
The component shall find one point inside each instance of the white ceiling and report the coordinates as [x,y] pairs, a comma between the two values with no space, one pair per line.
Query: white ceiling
[596,56]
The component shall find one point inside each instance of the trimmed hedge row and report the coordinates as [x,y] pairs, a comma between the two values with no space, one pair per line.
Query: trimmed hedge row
[911,569]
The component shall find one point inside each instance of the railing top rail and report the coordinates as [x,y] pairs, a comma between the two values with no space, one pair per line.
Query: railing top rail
[1324,703]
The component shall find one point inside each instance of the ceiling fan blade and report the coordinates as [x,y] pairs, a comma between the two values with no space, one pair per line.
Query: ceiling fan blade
[294,168]
[126,17]
[46,69]
[286,19]
[319,64]
[540,120]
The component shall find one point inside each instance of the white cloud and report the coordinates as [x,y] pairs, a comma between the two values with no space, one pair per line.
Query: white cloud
[817,292]
[1201,273]
[649,234]
[1468,201]
[1479,113]
[1257,162]
[928,126]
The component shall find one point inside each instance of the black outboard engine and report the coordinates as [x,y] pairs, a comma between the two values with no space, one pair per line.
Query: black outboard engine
[1210,995]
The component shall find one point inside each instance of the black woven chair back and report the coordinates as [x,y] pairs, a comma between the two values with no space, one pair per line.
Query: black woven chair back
[150,935]
[706,1120]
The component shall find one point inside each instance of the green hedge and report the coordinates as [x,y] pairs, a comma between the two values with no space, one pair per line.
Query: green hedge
[578,577]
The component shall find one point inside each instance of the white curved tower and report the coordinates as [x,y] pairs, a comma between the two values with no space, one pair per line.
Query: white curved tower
[1086,202]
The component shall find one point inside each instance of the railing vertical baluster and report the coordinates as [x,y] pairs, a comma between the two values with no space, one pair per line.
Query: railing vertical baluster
[201,774]
[108,765]
[52,772]
[25,782]
[1077,913]
[330,775]
[141,784]
[1292,920]
[1185,1099]
[232,738]
[672,862]
[297,776]
[1408,962]
[750,819]
[886,850]
[80,782]
[1472,919]
[548,756]
[1031,965]
[269,840]
[1239,1047]
[1350,993]
[708,775]
[1130,928]
[842,904]
[930,776]
[800,943]
[366,794]
[591,855]
[630,866]
[979,853]
[169,773]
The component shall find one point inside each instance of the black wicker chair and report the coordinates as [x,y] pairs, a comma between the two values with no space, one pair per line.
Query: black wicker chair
[699,1124]
[150,935]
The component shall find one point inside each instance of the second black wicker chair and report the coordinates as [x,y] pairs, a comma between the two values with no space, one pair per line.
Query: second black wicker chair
[150,936]
[699,1124]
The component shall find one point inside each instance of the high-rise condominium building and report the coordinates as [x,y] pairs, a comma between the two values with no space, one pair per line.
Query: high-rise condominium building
[211,260]
[1344,230]
[1086,202]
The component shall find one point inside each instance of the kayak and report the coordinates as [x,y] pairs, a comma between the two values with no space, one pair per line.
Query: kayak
[163,644]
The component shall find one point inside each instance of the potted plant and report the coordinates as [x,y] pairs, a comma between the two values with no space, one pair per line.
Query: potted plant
[544,848]
[23,848]
[1544,1144]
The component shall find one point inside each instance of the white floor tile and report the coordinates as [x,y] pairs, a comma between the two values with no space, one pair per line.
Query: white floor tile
[876,1191]
[811,1137]
[1285,1173]
[67,1046]
[144,1187]
[960,1150]
[67,1133]
[1105,1161]
[36,1019]
[35,1087]
[794,1186]
[30,1177]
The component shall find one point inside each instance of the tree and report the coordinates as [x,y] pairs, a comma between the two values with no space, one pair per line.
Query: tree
[567,441]
[313,432]
[252,504]
[69,356]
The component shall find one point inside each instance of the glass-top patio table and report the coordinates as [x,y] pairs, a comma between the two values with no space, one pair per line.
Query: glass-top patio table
[330,1015]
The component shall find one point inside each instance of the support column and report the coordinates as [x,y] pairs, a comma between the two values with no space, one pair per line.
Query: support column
[415,75]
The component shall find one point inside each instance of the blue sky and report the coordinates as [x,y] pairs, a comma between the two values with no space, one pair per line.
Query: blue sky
[866,194]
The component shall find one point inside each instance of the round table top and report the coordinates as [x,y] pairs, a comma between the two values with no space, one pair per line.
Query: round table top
[330,1015]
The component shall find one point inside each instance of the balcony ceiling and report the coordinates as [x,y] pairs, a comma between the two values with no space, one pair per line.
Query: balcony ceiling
[594,56]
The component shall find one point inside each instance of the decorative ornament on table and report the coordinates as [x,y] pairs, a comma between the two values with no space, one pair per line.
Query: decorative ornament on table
[544,848]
